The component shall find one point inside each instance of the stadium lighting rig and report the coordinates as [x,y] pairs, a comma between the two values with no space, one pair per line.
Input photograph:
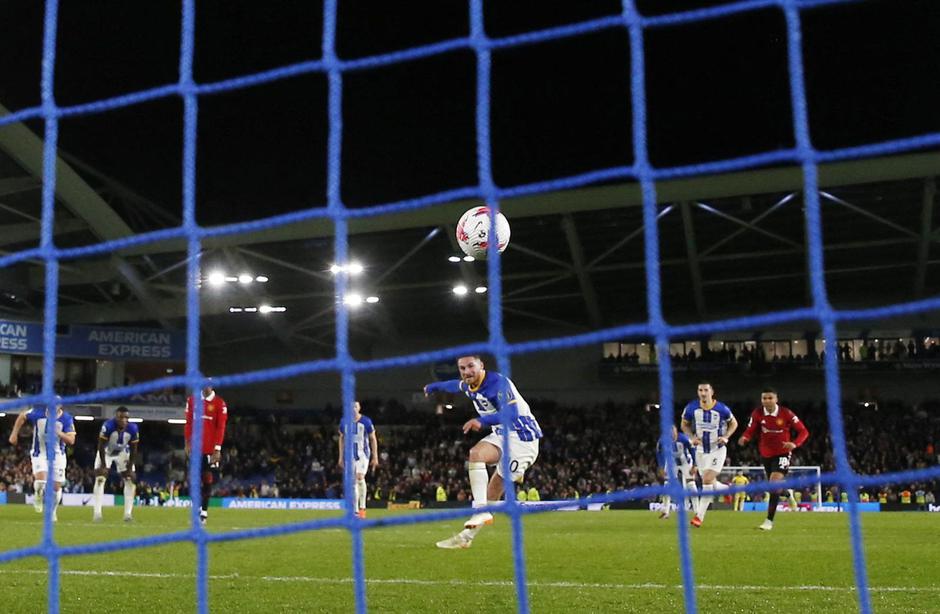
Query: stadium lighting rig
[352,268]
[354,299]
[218,279]
[264,309]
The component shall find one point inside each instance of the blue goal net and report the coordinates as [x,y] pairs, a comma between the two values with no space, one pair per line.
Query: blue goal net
[486,189]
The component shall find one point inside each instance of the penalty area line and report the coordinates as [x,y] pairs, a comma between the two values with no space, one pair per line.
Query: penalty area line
[485,583]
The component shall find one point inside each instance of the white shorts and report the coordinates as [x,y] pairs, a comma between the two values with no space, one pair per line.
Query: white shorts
[712,461]
[361,466]
[522,454]
[41,464]
[682,471]
[119,460]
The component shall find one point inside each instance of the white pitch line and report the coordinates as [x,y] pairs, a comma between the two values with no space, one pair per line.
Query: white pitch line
[484,583]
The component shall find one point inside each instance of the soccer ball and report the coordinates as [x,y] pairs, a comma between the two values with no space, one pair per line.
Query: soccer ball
[473,231]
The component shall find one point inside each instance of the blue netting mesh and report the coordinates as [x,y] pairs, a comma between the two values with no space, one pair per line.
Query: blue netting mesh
[655,327]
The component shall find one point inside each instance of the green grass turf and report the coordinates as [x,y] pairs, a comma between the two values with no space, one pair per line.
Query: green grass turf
[577,561]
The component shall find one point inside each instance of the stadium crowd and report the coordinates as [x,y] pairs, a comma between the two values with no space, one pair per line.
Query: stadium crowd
[586,450]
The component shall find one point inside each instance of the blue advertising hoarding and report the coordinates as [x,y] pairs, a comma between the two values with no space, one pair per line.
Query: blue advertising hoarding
[101,342]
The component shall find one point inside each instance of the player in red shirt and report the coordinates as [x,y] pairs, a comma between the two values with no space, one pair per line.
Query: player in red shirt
[775,423]
[214,417]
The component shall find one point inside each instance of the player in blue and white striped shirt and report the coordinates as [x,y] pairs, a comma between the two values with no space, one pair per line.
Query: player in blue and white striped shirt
[492,395]
[709,424]
[365,453]
[64,435]
[118,441]
[683,455]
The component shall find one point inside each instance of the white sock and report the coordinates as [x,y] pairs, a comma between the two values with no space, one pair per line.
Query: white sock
[99,493]
[469,534]
[129,490]
[705,501]
[57,500]
[667,500]
[478,481]
[361,493]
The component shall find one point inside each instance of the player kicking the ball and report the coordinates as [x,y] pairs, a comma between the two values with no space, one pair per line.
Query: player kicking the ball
[775,423]
[709,424]
[491,394]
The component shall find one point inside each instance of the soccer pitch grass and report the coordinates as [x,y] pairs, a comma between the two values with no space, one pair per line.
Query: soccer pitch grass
[615,561]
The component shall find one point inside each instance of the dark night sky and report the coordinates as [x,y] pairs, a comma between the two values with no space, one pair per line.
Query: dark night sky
[715,89]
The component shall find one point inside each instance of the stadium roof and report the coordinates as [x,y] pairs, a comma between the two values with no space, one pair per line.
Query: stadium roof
[730,245]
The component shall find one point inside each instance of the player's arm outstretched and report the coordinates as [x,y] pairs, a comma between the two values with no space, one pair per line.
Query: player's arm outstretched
[451,386]
[20,421]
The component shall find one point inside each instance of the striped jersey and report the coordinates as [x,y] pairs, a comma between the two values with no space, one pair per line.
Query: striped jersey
[681,451]
[361,446]
[117,441]
[37,417]
[709,423]
[494,394]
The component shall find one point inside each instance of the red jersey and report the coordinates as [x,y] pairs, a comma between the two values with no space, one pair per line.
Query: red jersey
[214,417]
[775,430]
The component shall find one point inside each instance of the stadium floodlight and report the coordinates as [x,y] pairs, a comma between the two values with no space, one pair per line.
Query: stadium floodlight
[354,268]
[216,278]
[231,279]
[480,289]
[468,258]
[84,418]
[135,419]
[353,299]
[372,300]
[454,259]
[448,406]
[335,269]
[265,309]
[460,290]
[3,414]
[261,279]
[251,309]
[176,420]
[235,309]
[245,278]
